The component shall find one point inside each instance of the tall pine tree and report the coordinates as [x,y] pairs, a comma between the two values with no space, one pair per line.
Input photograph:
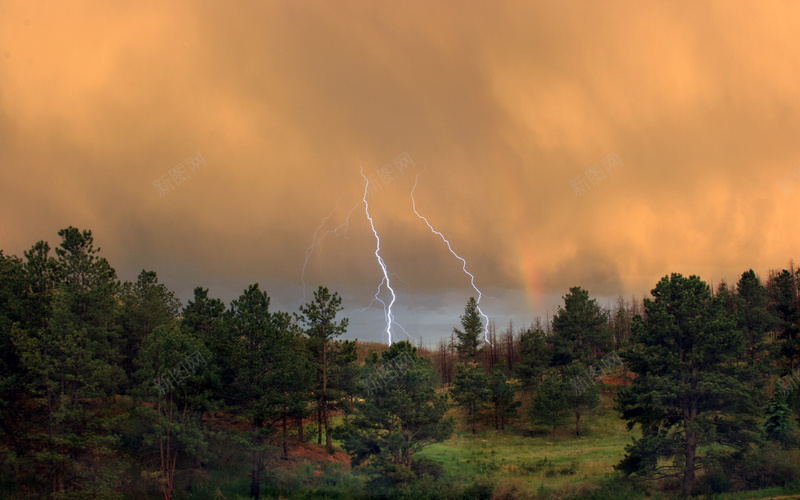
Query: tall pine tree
[501,397]
[550,405]
[779,426]
[690,390]
[580,329]
[171,396]
[319,319]
[67,349]
[469,342]
[471,391]
[535,357]
[398,414]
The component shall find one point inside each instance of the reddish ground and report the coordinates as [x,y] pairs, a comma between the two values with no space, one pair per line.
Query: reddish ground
[615,379]
[310,452]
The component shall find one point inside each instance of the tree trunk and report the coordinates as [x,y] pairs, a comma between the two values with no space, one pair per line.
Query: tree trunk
[577,424]
[328,441]
[689,417]
[407,451]
[172,470]
[319,422]
[198,461]
[300,429]
[688,474]
[285,435]
[255,477]
[472,417]
[167,454]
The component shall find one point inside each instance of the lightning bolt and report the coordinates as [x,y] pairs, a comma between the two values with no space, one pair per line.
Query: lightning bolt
[316,244]
[378,299]
[317,241]
[463,262]
[387,308]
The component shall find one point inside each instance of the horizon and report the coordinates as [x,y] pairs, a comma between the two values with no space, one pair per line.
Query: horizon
[603,146]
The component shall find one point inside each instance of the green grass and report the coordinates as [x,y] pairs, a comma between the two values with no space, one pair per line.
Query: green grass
[538,461]
[522,463]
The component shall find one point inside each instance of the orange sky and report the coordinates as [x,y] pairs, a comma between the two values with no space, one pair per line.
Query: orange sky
[504,103]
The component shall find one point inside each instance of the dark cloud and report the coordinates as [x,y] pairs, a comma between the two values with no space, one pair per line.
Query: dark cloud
[503,104]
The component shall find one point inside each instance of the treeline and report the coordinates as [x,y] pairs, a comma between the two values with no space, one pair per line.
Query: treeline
[110,389]
[708,375]
[505,348]
[114,389]
[698,368]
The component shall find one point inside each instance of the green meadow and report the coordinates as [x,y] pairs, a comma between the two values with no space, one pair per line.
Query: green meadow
[534,459]
[520,462]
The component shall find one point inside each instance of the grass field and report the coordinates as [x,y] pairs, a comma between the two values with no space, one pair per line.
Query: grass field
[521,463]
[533,459]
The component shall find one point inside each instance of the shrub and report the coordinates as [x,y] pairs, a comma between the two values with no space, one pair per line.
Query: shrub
[534,467]
[610,487]
[768,466]
[447,487]
[481,489]
[425,466]
[714,481]
[569,470]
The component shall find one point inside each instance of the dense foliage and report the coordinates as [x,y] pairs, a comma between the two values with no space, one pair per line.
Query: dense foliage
[113,389]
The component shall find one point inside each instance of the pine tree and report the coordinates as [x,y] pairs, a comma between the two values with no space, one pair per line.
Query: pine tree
[753,316]
[470,390]
[271,372]
[622,324]
[583,397]
[690,390]
[202,315]
[171,396]
[580,329]
[398,414]
[344,376]
[535,356]
[755,321]
[290,376]
[319,319]
[13,291]
[550,405]
[205,319]
[469,342]
[66,348]
[779,426]
[784,305]
[41,281]
[146,304]
[501,396]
